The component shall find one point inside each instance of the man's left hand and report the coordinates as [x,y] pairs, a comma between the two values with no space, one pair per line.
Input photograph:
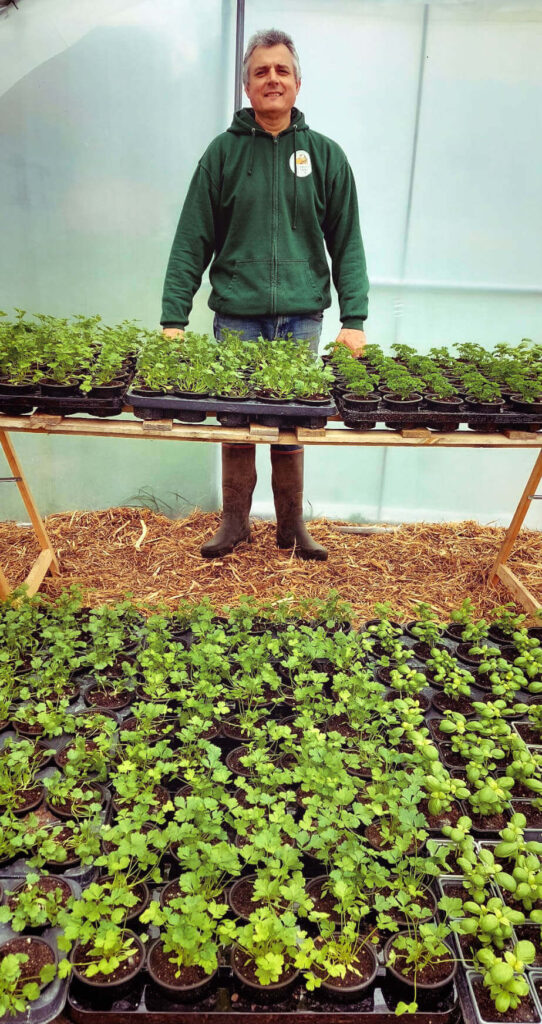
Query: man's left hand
[354,340]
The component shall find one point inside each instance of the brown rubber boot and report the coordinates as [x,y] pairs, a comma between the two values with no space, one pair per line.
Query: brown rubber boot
[238,483]
[287,482]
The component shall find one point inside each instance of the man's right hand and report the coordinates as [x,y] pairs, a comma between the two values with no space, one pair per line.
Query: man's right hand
[173,332]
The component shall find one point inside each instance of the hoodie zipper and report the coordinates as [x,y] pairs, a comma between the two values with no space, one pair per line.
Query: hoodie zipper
[274,226]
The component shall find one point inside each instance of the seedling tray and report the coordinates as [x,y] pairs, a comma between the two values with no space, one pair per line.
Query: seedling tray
[398,419]
[145,1003]
[54,406]
[16,406]
[231,414]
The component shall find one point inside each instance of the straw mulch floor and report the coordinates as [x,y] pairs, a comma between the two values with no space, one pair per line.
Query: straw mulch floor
[124,550]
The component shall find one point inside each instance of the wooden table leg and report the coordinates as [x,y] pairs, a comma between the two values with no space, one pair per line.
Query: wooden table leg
[47,560]
[500,571]
[5,589]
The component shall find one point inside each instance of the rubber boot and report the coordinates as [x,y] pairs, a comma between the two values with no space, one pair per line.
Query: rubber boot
[287,483]
[238,483]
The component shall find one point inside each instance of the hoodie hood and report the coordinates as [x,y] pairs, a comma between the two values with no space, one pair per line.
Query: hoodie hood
[244,123]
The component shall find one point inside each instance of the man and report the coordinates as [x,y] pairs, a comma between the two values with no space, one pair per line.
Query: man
[266,195]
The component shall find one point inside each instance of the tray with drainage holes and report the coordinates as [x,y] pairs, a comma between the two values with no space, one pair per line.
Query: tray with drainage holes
[445,422]
[229,1003]
[238,413]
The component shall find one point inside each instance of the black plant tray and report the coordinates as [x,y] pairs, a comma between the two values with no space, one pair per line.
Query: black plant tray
[53,406]
[16,406]
[397,419]
[231,414]
[145,1003]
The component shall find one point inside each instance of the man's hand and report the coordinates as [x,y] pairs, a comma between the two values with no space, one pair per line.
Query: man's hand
[173,332]
[354,340]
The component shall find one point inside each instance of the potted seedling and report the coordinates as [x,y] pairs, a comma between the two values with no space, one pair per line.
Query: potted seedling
[421,959]
[27,966]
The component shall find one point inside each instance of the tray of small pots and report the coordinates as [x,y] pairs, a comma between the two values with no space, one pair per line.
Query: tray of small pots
[271,410]
[246,983]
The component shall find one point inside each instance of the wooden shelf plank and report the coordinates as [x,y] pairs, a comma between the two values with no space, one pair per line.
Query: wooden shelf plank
[331,435]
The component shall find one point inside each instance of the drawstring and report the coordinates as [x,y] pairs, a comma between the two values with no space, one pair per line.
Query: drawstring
[294,222]
[251,161]
[251,165]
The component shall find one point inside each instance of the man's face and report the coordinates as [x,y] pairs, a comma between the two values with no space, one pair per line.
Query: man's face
[272,86]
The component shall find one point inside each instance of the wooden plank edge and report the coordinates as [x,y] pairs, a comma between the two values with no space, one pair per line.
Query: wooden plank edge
[517,589]
[5,589]
[339,436]
[38,571]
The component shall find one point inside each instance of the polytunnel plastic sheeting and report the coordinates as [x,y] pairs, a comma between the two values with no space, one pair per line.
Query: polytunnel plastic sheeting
[99,141]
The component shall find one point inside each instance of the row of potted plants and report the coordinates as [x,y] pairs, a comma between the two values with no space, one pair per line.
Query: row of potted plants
[197,366]
[337,774]
[64,357]
[443,380]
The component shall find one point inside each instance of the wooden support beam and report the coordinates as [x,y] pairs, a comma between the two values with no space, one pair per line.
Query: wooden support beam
[517,519]
[31,508]
[259,432]
[421,432]
[156,426]
[38,571]
[306,434]
[5,589]
[517,589]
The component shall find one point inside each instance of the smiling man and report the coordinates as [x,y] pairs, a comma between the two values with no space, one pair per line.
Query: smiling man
[268,197]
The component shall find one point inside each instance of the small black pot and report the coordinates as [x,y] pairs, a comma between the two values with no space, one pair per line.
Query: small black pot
[520,405]
[431,986]
[54,390]
[105,990]
[357,403]
[178,992]
[273,993]
[451,404]
[15,390]
[392,401]
[113,390]
[493,407]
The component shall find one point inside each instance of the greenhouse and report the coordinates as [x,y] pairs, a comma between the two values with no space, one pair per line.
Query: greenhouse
[270,543]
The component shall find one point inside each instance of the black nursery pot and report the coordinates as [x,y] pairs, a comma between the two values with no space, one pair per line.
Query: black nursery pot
[15,390]
[113,390]
[273,993]
[353,985]
[54,390]
[393,401]
[451,404]
[494,406]
[103,990]
[361,403]
[433,986]
[520,405]
[176,989]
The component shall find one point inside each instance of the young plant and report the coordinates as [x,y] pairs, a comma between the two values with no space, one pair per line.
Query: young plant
[505,975]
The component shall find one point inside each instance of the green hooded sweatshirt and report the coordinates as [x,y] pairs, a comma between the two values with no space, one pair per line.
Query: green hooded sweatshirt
[264,227]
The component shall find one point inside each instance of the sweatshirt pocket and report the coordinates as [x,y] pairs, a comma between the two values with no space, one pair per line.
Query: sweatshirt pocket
[297,288]
[250,283]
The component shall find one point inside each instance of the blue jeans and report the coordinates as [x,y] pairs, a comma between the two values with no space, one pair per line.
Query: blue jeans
[307,326]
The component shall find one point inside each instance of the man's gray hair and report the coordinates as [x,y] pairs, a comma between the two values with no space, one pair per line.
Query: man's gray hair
[270,37]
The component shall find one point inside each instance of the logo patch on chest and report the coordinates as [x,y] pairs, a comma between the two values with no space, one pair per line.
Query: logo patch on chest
[302,166]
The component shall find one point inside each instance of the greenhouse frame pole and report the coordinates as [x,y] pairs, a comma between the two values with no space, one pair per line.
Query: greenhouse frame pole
[239,46]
